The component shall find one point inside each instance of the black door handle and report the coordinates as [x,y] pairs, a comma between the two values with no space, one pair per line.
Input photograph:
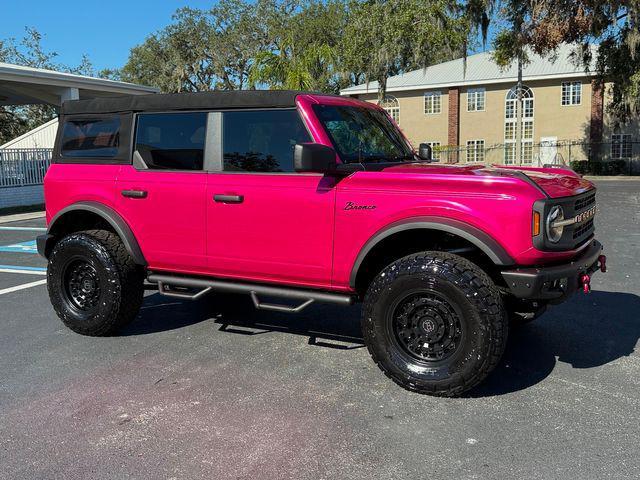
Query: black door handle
[134,193]
[228,198]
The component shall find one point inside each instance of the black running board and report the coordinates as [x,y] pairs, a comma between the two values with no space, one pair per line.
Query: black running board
[170,285]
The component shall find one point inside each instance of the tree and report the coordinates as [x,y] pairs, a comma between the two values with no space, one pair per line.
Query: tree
[204,50]
[306,50]
[387,37]
[16,120]
[542,26]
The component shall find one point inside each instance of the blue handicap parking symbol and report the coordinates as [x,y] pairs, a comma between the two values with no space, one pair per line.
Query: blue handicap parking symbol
[24,247]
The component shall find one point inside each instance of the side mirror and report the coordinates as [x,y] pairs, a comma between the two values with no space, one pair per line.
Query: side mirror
[314,157]
[425,152]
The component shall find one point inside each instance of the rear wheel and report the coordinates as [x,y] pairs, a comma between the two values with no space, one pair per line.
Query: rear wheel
[94,285]
[434,323]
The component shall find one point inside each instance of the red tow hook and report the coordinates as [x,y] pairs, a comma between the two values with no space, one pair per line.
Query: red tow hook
[585,280]
[603,263]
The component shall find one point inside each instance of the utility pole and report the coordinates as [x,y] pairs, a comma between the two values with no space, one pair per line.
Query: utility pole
[519,111]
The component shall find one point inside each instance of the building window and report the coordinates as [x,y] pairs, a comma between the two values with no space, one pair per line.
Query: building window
[392,106]
[509,131]
[475,151]
[511,126]
[435,150]
[571,93]
[621,145]
[432,103]
[527,152]
[475,100]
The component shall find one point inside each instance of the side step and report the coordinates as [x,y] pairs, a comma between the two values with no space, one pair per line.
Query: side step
[171,286]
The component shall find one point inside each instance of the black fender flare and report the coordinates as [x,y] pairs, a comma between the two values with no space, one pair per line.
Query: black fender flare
[112,217]
[477,237]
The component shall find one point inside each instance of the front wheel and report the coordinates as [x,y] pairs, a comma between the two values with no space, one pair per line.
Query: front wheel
[94,285]
[434,323]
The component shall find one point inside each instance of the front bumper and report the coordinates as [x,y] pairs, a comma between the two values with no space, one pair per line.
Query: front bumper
[555,283]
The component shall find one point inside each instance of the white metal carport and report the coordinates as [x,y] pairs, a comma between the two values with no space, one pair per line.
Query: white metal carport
[26,85]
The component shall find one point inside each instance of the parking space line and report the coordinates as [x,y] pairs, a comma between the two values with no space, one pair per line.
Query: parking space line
[24,270]
[23,247]
[24,229]
[22,287]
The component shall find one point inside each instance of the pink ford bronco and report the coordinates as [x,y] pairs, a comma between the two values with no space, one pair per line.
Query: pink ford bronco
[309,198]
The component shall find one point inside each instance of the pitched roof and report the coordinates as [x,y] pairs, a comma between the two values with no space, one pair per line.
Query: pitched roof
[480,70]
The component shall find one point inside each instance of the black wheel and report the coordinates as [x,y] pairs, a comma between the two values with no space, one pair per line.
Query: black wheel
[521,313]
[434,323]
[94,285]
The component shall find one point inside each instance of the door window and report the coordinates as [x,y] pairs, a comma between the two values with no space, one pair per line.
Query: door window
[172,141]
[261,140]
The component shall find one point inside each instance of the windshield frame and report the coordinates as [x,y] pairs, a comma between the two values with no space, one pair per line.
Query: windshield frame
[382,120]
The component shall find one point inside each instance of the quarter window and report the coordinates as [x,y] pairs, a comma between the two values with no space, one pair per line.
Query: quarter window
[571,93]
[621,145]
[91,138]
[475,151]
[432,103]
[261,140]
[172,141]
[475,100]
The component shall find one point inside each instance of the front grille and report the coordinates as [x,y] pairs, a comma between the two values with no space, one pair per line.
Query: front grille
[576,234]
[582,230]
[584,203]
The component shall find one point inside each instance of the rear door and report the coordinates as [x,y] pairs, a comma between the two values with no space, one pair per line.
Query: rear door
[265,222]
[162,195]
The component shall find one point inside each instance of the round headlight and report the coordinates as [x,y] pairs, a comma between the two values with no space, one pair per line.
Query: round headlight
[554,234]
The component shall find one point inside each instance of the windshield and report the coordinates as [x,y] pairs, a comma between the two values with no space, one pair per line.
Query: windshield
[362,135]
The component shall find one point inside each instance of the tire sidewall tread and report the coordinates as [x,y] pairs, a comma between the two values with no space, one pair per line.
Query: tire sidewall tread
[478,298]
[121,280]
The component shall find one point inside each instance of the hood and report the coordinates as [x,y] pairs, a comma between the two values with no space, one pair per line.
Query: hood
[554,182]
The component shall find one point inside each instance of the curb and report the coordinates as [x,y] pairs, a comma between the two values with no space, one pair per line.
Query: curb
[625,178]
[21,216]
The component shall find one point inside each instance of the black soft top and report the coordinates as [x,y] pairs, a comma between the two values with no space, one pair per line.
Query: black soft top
[184,101]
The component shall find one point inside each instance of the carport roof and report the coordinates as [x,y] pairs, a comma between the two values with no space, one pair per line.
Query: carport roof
[20,85]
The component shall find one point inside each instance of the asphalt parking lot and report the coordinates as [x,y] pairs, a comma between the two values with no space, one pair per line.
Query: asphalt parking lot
[212,389]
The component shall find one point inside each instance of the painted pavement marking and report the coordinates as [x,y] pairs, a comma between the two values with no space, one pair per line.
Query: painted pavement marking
[23,247]
[23,229]
[22,269]
[22,287]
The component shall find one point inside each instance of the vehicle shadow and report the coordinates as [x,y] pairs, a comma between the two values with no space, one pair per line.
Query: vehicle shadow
[324,325]
[586,332]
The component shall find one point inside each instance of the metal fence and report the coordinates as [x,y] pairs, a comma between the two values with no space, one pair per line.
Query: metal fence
[596,158]
[23,166]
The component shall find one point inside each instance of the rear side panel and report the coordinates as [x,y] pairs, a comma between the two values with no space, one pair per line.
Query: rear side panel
[66,184]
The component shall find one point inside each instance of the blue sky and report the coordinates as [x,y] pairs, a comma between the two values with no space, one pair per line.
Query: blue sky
[104,30]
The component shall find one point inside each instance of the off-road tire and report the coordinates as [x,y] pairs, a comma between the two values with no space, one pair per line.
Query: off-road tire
[118,280]
[468,291]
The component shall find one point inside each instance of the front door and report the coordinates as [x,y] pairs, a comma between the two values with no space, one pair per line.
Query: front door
[548,150]
[264,221]
[162,195]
